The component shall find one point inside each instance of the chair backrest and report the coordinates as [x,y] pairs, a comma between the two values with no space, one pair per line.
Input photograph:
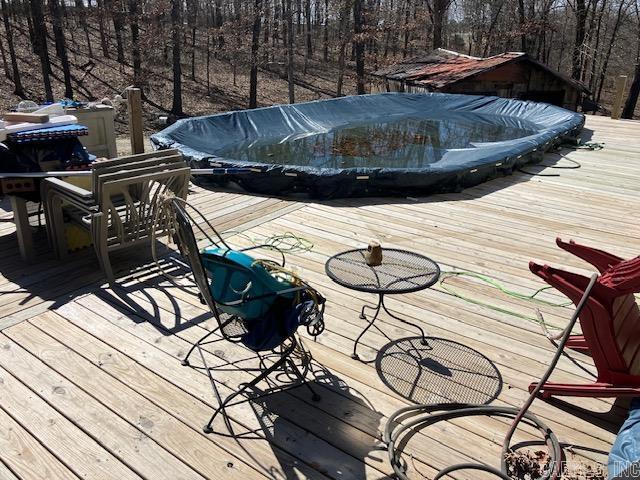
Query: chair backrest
[132,162]
[610,324]
[626,325]
[188,246]
[129,201]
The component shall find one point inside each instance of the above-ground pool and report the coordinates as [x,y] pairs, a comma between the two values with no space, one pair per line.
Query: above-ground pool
[384,144]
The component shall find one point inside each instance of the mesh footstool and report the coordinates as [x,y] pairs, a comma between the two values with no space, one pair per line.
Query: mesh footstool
[401,271]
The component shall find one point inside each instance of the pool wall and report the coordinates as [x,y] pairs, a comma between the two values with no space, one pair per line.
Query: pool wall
[200,137]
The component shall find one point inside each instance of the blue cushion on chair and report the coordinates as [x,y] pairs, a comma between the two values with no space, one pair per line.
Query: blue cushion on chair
[269,320]
[235,275]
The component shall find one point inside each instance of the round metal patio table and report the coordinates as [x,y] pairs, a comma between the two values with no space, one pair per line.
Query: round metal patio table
[401,271]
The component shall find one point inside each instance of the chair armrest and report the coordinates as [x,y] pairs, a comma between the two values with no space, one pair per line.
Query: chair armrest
[60,185]
[598,258]
[72,194]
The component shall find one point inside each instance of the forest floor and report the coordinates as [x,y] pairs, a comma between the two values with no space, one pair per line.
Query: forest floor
[96,77]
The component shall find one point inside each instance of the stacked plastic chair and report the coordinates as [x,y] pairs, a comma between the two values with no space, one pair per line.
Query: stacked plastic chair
[119,210]
[610,322]
[249,307]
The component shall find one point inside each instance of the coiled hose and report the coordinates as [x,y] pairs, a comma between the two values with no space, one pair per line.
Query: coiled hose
[425,416]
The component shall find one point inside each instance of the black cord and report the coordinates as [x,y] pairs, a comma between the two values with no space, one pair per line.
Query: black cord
[575,165]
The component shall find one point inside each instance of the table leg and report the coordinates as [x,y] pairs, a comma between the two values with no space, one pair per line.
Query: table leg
[354,355]
[23,229]
[418,327]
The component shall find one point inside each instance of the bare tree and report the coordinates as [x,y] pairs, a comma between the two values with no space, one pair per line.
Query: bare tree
[104,43]
[358,32]
[176,25]
[578,44]
[290,39]
[438,11]
[255,45]
[61,46]
[634,91]
[622,6]
[17,82]
[344,39]
[40,44]
[82,20]
[135,41]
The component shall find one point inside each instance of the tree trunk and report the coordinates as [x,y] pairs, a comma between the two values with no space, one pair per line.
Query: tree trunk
[255,45]
[266,30]
[5,64]
[40,37]
[17,82]
[118,25]
[407,16]
[439,12]
[104,43]
[32,34]
[523,34]
[576,58]
[61,46]
[176,38]
[308,28]
[135,43]
[208,63]
[82,18]
[632,99]
[614,33]
[290,35]
[596,50]
[358,31]
[344,19]
[325,39]
[192,11]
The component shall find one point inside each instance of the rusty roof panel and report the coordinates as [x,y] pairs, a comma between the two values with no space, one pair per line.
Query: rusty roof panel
[443,67]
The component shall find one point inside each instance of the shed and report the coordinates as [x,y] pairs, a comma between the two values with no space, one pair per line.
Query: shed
[509,75]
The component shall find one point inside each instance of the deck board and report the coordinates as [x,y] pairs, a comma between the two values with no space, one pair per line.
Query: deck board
[93,387]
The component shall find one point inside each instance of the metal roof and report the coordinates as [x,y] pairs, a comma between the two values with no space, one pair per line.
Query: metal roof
[444,67]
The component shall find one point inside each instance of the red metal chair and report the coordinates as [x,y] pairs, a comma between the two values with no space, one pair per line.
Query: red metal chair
[610,322]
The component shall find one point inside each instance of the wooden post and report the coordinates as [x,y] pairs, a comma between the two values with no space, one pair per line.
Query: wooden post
[618,101]
[134,106]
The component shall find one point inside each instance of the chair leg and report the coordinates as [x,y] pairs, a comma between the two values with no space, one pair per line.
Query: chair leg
[185,360]
[314,395]
[99,237]
[54,217]
[221,408]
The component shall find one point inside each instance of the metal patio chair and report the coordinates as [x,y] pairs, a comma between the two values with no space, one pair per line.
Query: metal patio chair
[233,327]
[120,209]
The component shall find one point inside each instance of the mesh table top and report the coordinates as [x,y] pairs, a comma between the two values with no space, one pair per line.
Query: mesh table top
[401,271]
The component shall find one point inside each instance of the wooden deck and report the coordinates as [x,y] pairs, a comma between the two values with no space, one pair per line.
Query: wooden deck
[92,385]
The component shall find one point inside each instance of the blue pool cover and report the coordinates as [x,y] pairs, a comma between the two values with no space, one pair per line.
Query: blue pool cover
[382,144]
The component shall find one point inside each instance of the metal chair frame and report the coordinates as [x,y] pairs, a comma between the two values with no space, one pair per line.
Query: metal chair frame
[187,244]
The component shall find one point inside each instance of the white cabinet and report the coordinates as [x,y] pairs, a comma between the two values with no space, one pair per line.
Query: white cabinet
[99,119]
